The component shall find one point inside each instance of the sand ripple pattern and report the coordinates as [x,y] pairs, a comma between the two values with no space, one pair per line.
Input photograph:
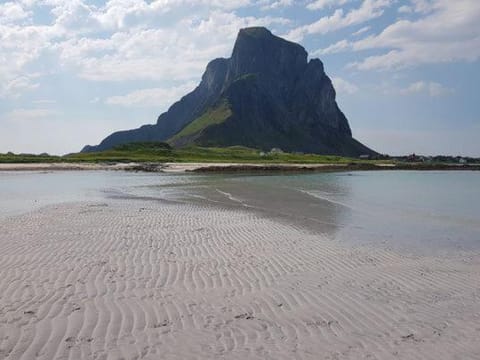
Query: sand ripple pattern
[144,280]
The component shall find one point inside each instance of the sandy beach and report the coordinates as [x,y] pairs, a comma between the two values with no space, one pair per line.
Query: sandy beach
[138,279]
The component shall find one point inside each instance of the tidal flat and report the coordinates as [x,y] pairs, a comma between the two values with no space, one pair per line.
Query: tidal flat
[117,265]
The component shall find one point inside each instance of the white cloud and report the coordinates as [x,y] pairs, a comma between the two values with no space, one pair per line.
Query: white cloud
[361,30]
[424,6]
[405,9]
[343,86]
[20,46]
[155,97]
[277,4]
[11,12]
[180,52]
[13,87]
[121,40]
[119,14]
[430,88]
[417,6]
[447,33]
[334,48]
[321,4]
[369,9]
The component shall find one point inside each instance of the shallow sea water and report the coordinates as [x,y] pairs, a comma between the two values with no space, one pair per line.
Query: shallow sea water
[413,211]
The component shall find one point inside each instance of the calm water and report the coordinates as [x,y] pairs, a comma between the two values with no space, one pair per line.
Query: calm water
[403,210]
[24,191]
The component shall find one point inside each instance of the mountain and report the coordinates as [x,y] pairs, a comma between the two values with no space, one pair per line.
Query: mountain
[266,95]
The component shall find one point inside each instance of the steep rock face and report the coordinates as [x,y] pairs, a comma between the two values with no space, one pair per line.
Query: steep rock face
[266,95]
[181,113]
[258,51]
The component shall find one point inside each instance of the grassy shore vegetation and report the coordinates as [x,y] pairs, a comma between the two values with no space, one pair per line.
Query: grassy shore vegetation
[29,158]
[162,152]
[159,152]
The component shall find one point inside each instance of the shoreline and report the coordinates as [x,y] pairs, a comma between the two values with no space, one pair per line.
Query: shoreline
[226,167]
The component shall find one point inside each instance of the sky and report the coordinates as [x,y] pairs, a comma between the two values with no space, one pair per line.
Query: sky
[406,72]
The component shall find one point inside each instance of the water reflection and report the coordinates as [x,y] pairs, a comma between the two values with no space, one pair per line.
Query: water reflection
[276,196]
[24,191]
[408,211]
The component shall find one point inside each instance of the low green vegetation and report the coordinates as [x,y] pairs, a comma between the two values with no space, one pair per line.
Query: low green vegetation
[216,115]
[162,152]
[240,154]
[150,146]
[243,154]
[28,158]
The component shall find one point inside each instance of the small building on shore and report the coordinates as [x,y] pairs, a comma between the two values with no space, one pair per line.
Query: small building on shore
[276,151]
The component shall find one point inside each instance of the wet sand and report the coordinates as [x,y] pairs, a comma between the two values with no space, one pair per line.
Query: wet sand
[137,279]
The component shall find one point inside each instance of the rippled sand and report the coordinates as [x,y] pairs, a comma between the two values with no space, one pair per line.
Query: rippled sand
[149,280]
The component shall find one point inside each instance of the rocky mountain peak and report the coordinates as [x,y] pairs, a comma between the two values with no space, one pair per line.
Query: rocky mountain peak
[266,95]
[258,51]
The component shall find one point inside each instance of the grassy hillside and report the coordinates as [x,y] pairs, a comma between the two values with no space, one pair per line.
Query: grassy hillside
[214,116]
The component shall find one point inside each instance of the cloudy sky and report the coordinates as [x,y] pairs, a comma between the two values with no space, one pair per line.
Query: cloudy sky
[407,72]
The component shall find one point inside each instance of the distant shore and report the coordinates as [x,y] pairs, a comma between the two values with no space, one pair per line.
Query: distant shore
[206,167]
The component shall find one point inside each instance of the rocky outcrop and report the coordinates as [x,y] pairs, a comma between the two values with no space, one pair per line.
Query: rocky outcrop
[266,95]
